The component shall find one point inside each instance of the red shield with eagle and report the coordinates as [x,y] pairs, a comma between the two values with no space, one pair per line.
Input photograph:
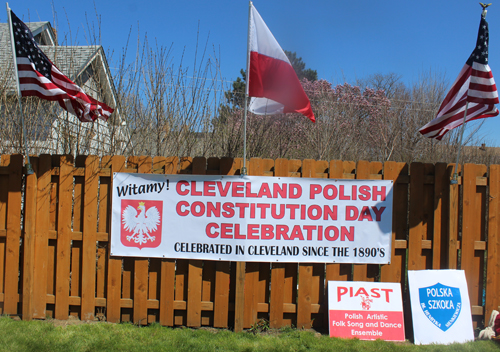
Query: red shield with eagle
[140,224]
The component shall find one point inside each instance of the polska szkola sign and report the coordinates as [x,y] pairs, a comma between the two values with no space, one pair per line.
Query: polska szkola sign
[249,218]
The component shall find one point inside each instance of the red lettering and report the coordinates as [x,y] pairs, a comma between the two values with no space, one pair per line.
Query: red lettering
[375,293]
[209,188]
[263,208]
[309,230]
[292,208]
[387,290]
[314,212]
[347,234]
[365,214]
[351,213]
[342,195]
[335,233]
[340,292]
[238,188]
[252,211]
[252,232]
[282,231]
[242,207]
[297,233]
[361,291]
[281,190]
[364,192]
[282,211]
[295,191]
[212,234]
[226,231]
[198,209]
[213,209]
[237,235]
[228,210]
[265,191]
[376,193]
[330,192]
[179,210]
[248,193]
[267,232]
[180,191]
[332,213]
[223,190]
[378,213]
[194,192]
[313,190]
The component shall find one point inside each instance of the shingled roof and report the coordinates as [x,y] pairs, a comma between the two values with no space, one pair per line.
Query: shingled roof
[74,61]
[85,65]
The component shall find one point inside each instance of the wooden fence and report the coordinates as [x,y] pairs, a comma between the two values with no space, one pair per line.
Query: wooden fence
[55,227]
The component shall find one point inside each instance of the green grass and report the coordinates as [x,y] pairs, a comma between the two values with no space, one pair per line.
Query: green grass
[45,336]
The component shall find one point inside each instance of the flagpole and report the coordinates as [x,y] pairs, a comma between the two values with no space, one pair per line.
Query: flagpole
[454,180]
[244,168]
[29,169]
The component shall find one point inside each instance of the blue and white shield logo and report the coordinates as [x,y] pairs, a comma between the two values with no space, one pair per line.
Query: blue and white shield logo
[441,304]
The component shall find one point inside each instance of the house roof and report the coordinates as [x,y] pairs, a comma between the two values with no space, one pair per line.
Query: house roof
[73,61]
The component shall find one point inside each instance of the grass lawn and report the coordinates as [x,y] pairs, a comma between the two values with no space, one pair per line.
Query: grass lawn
[65,336]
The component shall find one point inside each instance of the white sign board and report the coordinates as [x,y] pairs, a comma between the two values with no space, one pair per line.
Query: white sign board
[366,310]
[253,219]
[440,306]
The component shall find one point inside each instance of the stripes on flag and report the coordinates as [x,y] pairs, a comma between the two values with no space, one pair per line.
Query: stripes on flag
[38,76]
[474,86]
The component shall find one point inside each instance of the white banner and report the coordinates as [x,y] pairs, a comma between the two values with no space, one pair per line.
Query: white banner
[253,219]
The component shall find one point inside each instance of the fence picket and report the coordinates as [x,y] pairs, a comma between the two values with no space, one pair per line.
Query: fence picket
[42,237]
[195,268]
[167,274]
[366,272]
[63,260]
[89,244]
[30,194]
[141,265]
[394,272]
[114,294]
[417,217]
[493,264]
[473,230]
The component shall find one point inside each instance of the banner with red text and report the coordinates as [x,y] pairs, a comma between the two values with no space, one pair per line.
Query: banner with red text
[251,218]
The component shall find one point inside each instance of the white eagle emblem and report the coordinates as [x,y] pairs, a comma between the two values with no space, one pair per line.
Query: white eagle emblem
[140,225]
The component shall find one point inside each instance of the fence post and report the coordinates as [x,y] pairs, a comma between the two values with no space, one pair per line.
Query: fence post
[29,243]
[453,226]
[89,265]
[13,233]
[239,304]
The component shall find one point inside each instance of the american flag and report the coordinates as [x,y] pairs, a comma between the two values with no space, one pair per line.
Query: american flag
[475,85]
[38,76]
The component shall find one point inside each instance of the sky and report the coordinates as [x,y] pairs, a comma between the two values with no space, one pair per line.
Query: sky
[342,40]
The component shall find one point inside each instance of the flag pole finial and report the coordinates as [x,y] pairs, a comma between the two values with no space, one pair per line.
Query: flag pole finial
[484,6]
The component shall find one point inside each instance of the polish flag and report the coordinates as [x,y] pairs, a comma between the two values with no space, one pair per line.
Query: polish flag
[272,81]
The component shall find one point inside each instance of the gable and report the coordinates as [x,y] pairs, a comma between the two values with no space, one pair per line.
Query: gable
[79,63]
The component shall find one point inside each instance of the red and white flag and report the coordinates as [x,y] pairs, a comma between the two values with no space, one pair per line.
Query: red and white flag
[38,76]
[475,85]
[272,81]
